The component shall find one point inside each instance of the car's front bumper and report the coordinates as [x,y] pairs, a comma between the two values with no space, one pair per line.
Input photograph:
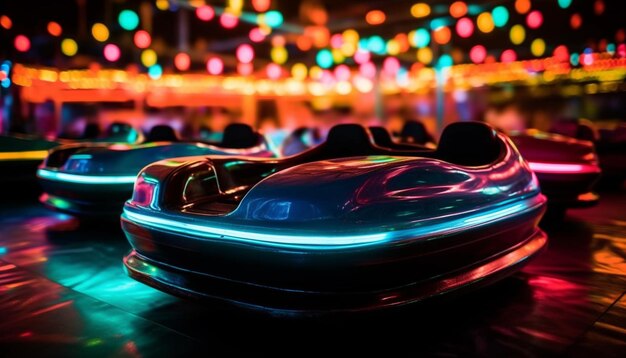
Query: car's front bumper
[89,197]
[367,277]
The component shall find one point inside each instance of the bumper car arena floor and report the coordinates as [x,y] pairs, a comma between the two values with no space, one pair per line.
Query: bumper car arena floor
[63,292]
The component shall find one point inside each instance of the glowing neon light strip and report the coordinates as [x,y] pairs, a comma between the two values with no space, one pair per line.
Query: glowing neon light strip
[31,154]
[558,168]
[335,241]
[86,179]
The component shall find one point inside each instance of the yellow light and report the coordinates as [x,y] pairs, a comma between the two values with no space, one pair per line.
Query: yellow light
[315,72]
[363,84]
[517,34]
[538,47]
[148,57]
[279,55]
[425,55]
[338,56]
[350,36]
[420,10]
[393,47]
[69,47]
[32,154]
[162,4]
[196,3]
[344,87]
[348,49]
[299,71]
[485,22]
[100,32]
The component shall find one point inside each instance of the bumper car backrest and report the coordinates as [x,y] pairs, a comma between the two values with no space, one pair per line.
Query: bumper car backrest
[347,140]
[92,131]
[239,136]
[469,144]
[381,136]
[161,133]
[415,132]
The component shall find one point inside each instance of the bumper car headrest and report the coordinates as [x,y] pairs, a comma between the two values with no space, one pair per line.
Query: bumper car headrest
[415,132]
[239,135]
[92,130]
[349,139]
[381,136]
[161,133]
[469,144]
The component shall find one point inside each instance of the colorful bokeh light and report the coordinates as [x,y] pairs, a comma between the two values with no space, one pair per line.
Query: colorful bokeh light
[54,29]
[458,9]
[465,27]
[478,54]
[215,66]
[534,19]
[100,32]
[375,17]
[420,10]
[142,39]
[245,53]
[21,43]
[128,20]
[112,53]
[69,47]
[205,13]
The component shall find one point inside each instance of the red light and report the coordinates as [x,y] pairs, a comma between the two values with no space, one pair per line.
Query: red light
[598,7]
[261,5]
[575,21]
[458,9]
[54,29]
[182,61]
[273,71]
[6,22]
[244,69]
[375,17]
[205,13]
[465,27]
[22,43]
[228,21]
[245,53]
[561,53]
[256,35]
[215,66]
[142,39]
[508,56]
[442,35]
[557,168]
[112,52]
[478,53]
[534,19]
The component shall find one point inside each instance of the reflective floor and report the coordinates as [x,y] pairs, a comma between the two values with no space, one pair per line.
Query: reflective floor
[63,292]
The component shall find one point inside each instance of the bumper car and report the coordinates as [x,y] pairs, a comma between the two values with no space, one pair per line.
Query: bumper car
[20,155]
[567,168]
[95,179]
[313,234]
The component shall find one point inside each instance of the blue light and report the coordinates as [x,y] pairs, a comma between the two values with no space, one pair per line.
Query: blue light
[564,4]
[610,48]
[324,58]
[463,221]
[574,59]
[5,67]
[500,16]
[155,71]
[444,61]
[376,44]
[6,83]
[273,18]
[437,23]
[3,250]
[86,179]
[363,44]
[421,38]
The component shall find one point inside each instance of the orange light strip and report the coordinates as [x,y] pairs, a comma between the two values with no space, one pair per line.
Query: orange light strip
[26,155]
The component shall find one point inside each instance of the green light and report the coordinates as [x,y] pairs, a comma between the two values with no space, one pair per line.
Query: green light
[444,61]
[421,38]
[564,4]
[324,58]
[574,59]
[60,203]
[128,19]
[273,18]
[500,16]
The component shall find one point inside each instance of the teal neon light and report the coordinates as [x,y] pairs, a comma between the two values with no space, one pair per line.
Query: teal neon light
[85,179]
[466,221]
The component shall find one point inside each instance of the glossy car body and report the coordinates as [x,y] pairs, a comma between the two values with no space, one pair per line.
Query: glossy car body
[96,179]
[567,168]
[20,155]
[314,234]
